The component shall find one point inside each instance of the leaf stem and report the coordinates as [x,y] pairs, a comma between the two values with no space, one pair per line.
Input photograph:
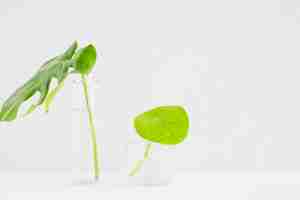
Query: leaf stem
[140,163]
[92,127]
[51,95]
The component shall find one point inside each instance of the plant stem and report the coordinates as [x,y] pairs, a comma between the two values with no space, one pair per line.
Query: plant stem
[51,95]
[92,127]
[140,163]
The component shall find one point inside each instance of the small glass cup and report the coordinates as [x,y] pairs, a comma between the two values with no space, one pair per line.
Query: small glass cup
[82,156]
[150,164]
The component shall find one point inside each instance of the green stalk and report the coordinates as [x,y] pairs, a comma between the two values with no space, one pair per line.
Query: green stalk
[51,95]
[92,127]
[140,163]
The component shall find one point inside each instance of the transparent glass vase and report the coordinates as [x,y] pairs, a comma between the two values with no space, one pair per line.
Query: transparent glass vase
[83,140]
[150,164]
[111,155]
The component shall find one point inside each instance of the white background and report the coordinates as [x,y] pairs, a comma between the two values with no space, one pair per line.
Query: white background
[233,64]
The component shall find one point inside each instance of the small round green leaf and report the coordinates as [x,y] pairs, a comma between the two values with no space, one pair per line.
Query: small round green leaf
[85,59]
[165,125]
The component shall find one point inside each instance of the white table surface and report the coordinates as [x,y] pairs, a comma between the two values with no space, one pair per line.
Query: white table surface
[191,185]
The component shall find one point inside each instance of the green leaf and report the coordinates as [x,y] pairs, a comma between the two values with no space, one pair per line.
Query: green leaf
[85,59]
[165,125]
[56,67]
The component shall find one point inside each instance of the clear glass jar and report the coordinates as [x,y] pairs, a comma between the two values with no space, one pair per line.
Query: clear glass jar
[82,145]
[156,170]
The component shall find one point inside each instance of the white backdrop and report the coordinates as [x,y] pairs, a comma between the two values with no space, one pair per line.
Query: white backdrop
[233,64]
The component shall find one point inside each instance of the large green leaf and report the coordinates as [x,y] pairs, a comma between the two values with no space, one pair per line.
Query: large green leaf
[57,67]
[164,125]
